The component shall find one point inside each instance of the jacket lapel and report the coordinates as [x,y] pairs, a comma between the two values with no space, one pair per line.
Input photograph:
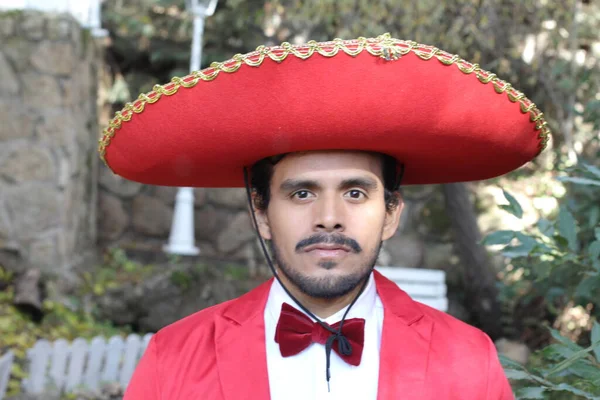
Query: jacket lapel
[405,344]
[240,346]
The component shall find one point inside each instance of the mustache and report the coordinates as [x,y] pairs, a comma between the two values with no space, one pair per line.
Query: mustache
[322,238]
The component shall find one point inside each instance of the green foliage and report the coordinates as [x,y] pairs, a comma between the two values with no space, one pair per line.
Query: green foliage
[116,270]
[559,261]
[562,370]
[67,319]
[19,331]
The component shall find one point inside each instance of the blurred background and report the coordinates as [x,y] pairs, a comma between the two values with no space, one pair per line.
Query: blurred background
[81,250]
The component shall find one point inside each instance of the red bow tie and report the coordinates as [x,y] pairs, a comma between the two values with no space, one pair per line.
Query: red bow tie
[296,331]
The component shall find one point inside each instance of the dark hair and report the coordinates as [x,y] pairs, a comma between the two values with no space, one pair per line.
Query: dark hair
[262,172]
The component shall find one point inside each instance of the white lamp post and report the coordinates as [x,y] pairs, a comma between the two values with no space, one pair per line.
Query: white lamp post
[181,239]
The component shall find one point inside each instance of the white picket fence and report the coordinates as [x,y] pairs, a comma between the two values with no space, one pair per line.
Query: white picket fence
[6,362]
[62,366]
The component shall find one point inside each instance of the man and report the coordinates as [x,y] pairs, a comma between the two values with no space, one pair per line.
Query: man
[329,130]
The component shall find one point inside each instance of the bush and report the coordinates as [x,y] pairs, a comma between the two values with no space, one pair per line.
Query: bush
[558,261]
[61,320]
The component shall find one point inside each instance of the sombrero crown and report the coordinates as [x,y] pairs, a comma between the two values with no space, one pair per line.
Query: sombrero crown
[444,118]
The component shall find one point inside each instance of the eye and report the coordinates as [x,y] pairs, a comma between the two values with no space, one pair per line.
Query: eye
[301,194]
[356,194]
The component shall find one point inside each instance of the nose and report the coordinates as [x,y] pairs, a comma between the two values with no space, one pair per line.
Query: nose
[329,214]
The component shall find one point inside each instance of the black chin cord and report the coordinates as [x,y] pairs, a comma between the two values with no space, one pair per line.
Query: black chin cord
[344,345]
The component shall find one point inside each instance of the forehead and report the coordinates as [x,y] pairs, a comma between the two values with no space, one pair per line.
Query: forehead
[328,164]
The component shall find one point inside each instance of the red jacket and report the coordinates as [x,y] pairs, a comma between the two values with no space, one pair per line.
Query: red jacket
[219,354]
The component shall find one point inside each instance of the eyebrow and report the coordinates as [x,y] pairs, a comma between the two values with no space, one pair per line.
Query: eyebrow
[290,185]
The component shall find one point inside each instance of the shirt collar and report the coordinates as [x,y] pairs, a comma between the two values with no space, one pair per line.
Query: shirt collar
[362,308]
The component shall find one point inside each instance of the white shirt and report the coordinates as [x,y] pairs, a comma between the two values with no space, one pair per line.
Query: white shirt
[302,376]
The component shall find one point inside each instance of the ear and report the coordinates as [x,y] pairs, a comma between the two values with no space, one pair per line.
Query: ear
[264,229]
[392,219]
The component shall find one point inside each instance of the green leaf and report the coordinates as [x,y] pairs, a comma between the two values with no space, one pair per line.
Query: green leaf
[596,340]
[531,393]
[586,370]
[513,205]
[568,362]
[587,287]
[542,270]
[567,228]
[590,168]
[568,388]
[579,181]
[545,227]
[597,233]
[594,250]
[564,341]
[516,251]
[509,363]
[498,237]
[527,241]
[516,375]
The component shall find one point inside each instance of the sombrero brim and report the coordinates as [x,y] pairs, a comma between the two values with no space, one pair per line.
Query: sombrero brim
[444,118]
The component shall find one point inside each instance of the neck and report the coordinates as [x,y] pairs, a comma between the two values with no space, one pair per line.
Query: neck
[321,307]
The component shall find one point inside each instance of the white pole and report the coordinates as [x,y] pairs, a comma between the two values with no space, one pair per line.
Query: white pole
[181,240]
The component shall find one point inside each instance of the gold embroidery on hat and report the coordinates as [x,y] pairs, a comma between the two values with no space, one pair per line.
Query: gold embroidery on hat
[383,46]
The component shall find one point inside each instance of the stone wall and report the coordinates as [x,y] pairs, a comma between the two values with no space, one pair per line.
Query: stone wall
[138,218]
[48,136]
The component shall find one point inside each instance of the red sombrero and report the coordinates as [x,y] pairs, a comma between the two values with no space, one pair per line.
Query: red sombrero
[444,118]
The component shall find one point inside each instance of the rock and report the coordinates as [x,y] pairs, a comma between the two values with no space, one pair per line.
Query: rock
[112,218]
[32,25]
[9,84]
[18,52]
[120,305]
[151,216]
[7,26]
[28,292]
[516,351]
[41,91]
[209,222]
[236,233]
[34,208]
[168,194]
[56,58]
[43,254]
[28,163]
[59,29]
[17,123]
[406,250]
[117,185]
[6,231]
[228,197]
[57,129]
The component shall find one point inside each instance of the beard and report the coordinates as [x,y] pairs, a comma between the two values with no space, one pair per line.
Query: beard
[325,287]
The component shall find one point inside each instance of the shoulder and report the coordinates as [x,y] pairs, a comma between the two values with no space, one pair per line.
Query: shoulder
[198,329]
[454,332]
[199,325]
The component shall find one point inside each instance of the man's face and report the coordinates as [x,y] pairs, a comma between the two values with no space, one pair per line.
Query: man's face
[326,219]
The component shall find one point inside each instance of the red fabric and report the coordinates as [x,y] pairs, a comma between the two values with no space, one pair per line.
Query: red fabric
[219,354]
[443,124]
[296,331]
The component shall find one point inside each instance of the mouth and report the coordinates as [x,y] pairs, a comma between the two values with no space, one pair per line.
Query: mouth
[327,251]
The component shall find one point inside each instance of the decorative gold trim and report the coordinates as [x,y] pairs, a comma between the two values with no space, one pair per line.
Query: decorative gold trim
[383,46]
